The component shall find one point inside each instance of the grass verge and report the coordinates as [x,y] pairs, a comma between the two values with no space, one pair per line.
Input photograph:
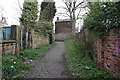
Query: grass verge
[82,67]
[17,66]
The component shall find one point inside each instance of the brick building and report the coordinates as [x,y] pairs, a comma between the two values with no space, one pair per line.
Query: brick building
[63,29]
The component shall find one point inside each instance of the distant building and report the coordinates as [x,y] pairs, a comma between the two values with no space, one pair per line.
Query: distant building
[63,29]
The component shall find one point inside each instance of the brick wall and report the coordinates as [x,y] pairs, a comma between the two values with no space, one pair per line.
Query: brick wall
[8,47]
[108,53]
[100,53]
[107,50]
[62,30]
[63,27]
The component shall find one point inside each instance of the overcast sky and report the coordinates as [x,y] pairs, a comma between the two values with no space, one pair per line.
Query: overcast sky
[10,9]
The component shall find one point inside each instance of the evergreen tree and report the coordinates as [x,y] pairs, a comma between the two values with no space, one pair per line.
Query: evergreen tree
[29,14]
[48,11]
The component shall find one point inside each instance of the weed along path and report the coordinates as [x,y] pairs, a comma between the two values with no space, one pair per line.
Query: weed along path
[52,65]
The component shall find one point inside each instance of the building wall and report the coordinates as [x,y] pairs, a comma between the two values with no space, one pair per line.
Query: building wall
[62,36]
[62,30]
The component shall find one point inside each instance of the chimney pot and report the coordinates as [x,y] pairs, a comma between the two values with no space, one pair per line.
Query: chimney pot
[57,18]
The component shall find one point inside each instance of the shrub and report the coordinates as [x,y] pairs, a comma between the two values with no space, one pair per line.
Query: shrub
[80,44]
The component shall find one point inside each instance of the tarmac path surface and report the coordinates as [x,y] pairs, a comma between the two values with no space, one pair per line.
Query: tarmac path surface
[51,65]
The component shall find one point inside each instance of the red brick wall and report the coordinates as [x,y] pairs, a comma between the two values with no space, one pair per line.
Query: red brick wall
[100,53]
[63,30]
[108,53]
[63,27]
[112,55]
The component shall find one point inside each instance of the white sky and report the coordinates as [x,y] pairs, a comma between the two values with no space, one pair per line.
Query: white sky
[11,10]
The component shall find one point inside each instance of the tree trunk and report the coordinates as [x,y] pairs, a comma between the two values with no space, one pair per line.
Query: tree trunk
[30,42]
[24,38]
[21,39]
[73,20]
[73,27]
[27,30]
[29,38]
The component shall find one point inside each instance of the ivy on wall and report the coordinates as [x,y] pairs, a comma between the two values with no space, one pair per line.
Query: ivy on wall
[44,27]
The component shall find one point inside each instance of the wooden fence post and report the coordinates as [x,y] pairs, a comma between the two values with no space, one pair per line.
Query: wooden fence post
[17,41]
[15,36]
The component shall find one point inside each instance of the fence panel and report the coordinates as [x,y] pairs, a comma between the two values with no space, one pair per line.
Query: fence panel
[5,33]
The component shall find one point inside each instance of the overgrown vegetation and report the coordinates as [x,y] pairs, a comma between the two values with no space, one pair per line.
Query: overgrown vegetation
[80,63]
[85,43]
[102,17]
[16,66]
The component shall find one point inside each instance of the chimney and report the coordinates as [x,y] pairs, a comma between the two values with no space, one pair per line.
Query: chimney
[57,18]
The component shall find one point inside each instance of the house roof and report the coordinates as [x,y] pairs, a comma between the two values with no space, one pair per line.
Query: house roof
[62,20]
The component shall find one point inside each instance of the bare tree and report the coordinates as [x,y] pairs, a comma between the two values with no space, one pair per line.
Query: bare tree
[71,6]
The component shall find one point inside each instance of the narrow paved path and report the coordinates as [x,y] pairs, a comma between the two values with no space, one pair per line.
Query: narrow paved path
[52,65]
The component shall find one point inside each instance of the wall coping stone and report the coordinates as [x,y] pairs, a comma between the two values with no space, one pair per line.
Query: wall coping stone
[7,41]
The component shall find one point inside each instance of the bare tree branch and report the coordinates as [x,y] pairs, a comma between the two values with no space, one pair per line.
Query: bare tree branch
[71,7]
[79,13]
[77,6]
[63,14]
